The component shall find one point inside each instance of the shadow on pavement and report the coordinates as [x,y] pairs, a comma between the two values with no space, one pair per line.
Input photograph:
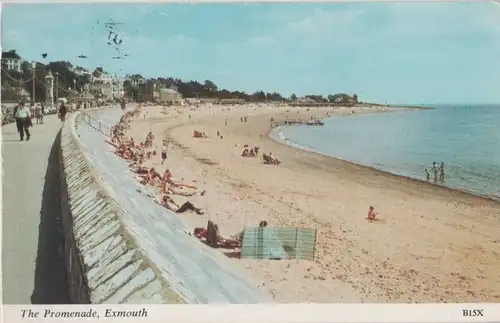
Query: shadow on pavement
[51,285]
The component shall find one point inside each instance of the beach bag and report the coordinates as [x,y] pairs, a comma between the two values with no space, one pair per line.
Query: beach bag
[28,123]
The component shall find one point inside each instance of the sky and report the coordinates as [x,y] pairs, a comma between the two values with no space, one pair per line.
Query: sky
[387,52]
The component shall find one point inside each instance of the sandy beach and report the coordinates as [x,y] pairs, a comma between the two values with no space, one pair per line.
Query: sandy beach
[431,244]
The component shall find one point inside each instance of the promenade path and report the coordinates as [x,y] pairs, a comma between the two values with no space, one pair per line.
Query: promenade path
[33,271]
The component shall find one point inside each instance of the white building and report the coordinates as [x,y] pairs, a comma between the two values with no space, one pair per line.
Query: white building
[118,90]
[135,81]
[103,78]
[169,96]
[11,61]
[106,90]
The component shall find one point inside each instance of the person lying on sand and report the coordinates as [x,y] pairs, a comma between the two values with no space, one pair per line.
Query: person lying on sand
[202,233]
[167,178]
[168,203]
[126,153]
[137,168]
[170,189]
[148,178]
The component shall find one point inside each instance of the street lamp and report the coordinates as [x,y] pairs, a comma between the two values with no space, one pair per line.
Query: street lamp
[56,99]
[33,65]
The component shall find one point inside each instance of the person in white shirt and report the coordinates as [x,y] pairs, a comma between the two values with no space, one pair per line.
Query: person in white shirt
[22,115]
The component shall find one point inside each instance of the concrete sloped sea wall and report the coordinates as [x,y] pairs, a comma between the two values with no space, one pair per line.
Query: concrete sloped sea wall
[120,246]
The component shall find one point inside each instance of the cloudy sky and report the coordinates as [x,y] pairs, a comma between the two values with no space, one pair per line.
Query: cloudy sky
[447,52]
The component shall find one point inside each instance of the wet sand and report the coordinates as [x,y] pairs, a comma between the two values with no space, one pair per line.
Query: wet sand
[431,244]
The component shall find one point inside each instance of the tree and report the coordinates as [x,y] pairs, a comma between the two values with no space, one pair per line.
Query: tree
[210,86]
[293,97]
[340,98]
[316,98]
[98,72]
[259,96]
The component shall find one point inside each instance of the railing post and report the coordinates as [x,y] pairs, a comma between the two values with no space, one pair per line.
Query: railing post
[296,242]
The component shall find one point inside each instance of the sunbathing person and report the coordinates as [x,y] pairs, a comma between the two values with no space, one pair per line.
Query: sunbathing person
[167,202]
[177,191]
[220,241]
[139,169]
[168,188]
[150,176]
[125,153]
[167,177]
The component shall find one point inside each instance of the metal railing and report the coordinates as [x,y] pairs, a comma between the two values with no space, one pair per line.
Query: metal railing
[93,123]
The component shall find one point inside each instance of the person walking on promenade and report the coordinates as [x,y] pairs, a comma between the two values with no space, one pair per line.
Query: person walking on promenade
[62,112]
[23,120]
[38,114]
[43,111]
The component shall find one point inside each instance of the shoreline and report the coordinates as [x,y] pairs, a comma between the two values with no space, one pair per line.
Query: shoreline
[488,198]
[332,195]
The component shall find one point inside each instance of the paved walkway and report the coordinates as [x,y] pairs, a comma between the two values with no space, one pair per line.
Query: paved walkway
[32,269]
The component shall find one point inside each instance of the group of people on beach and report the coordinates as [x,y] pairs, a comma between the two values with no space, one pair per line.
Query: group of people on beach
[138,153]
[437,170]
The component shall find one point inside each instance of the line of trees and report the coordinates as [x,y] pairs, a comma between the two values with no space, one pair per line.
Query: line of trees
[69,81]
[208,89]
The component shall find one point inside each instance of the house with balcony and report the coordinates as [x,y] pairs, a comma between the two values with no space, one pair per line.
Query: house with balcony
[11,61]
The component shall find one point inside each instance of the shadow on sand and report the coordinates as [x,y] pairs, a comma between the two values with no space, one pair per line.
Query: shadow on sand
[51,285]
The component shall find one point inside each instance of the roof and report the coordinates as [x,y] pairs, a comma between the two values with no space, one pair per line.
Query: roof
[11,55]
[169,91]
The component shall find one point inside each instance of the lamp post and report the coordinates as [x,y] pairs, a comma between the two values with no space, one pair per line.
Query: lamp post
[33,65]
[57,89]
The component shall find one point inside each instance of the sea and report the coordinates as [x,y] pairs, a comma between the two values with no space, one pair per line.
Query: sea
[465,138]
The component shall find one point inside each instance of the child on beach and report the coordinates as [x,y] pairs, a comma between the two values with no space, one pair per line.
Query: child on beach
[428,176]
[371,213]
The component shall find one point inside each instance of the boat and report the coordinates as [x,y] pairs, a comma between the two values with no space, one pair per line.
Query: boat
[315,123]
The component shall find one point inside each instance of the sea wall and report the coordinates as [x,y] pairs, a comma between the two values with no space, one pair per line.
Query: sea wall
[103,263]
[121,247]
